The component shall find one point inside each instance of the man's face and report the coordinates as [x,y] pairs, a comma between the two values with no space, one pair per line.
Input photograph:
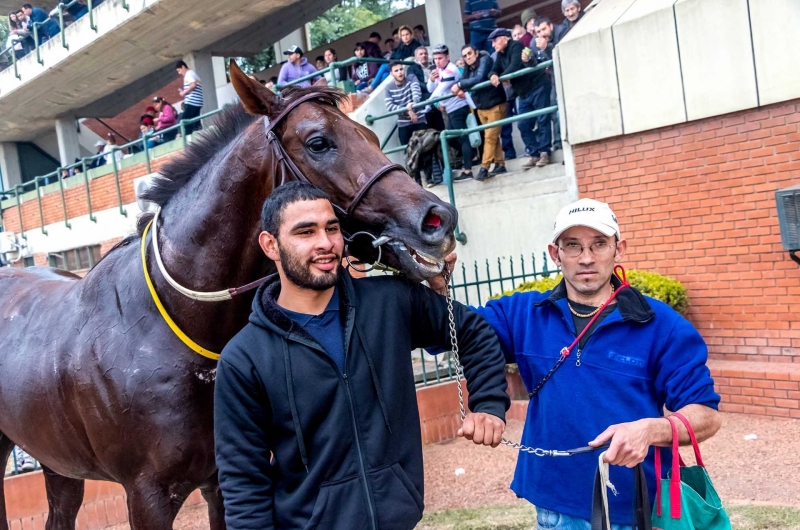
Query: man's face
[421,56]
[405,36]
[518,32]
[419,35]
[441,60]
[309,246]
[390,45]
[572,11]
[499,43]
[181,70]
[329,58]
[294,58]
[469,56]
[27,11]
[591,270]
[398,73]
[544,30]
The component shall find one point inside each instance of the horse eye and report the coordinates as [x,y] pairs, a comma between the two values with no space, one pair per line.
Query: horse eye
[318,145]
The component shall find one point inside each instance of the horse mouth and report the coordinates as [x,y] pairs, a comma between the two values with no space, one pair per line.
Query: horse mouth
[416,263]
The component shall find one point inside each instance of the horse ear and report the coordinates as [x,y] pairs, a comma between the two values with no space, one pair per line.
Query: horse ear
[256,98]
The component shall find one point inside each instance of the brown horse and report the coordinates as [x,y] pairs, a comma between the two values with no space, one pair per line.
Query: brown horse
[95,385]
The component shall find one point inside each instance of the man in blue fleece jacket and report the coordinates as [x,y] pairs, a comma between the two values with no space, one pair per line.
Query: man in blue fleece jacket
[638,357]
[315,411]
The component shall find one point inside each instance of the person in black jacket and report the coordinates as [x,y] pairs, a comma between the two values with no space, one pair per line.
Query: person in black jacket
[315,412]
[490,103]
[407,45]
[533,93]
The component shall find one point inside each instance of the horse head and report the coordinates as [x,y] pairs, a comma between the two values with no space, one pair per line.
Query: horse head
[342,158]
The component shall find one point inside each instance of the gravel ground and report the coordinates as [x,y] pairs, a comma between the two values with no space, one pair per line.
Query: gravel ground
[744,471]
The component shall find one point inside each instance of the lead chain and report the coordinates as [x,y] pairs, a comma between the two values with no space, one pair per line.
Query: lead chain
[460,376]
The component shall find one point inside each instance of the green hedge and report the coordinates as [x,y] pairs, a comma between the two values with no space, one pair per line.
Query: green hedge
[652,284]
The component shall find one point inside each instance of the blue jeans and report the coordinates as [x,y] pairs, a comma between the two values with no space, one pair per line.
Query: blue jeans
[536,142]
[383,73]
[479,39]
[549,520]
[507,131]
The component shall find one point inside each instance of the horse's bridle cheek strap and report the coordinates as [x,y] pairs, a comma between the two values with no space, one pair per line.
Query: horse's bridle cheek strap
[368,184]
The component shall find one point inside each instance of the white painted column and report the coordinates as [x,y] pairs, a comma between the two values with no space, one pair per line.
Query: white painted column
[203,65]
[295,38]
[9,165]
[69,147]
[444,25]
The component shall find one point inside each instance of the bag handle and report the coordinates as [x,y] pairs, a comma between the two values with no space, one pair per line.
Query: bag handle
[641,501]
[692,437]
[674,480]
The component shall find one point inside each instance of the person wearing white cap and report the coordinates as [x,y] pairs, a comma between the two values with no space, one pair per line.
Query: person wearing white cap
[100,160]
[601,362]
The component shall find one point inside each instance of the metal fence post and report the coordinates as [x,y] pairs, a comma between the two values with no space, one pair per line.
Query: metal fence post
[92,25]
[88,192]
[17,190]
[61,25]
[447,173]
[145,139]
[39,199]
[14,60]
[116,181]
[63,199]
[36,42]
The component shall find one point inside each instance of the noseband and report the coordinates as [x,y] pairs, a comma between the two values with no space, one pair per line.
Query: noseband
[286,165]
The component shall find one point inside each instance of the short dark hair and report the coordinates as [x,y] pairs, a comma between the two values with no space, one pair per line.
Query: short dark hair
[375,35]
[387,41]
[441,49]
[27,6]
[181,64]
[420,27]
[282,197]
[395,31]
[274,79]
[320,58]
[392,64]
[470,46]
[542,20]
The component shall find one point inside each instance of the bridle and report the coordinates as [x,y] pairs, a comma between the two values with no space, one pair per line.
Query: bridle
[285,167]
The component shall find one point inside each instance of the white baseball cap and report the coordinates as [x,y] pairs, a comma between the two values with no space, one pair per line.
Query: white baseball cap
[586,212]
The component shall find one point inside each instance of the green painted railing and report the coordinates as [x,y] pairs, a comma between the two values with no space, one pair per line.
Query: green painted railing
[336,65]
[370,119]
[476,285]
[36,183]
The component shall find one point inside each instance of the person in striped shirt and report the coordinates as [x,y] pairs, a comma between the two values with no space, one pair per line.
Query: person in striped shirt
[402,94]
[192,94]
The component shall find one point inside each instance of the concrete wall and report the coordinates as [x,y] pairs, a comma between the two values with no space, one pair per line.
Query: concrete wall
[636,65]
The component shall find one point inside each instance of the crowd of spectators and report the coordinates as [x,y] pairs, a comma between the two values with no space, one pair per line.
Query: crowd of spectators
[492,53]
[21,27]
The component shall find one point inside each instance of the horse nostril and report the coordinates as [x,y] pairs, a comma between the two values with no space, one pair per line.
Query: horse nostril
[432,220]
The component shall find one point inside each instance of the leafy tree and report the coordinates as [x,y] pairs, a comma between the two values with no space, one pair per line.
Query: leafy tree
[3,32]
[258,62]
[349,16]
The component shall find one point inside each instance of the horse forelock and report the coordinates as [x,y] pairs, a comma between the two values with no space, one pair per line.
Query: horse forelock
[225,128]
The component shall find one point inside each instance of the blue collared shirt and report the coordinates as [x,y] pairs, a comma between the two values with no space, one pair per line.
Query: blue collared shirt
[325,328]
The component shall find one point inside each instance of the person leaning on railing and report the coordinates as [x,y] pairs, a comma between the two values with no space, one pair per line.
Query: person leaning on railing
[167,117]
[48,29]
[490,103]
[402,93]
[362,73]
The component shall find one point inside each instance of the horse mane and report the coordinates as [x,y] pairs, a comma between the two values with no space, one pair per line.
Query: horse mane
[225,128]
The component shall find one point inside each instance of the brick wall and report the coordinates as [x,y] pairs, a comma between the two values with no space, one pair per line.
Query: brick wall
[697,202]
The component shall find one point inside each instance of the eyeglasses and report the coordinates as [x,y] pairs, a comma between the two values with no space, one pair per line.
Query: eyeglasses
[598,249]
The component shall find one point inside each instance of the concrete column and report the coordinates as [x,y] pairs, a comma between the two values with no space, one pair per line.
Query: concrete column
[295,38]
[444,25]
[69,147]
[9,165]
[203,64]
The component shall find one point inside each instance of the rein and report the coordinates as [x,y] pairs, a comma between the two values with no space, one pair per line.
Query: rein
[285,165]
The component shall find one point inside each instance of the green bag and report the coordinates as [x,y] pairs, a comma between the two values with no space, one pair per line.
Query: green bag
[692,503]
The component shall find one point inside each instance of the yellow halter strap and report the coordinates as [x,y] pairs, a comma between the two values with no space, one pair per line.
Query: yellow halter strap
[192,345]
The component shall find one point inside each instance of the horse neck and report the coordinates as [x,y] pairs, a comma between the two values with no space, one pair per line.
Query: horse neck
[208,238]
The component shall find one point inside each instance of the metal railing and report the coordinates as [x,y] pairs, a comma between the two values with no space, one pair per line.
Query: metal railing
[14,467]
[475,286]
[58,175]
[370,119]
[335,65]
[36,25]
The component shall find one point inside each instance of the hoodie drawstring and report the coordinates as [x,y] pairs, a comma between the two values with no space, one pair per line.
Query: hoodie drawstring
[287,361]
[375,380]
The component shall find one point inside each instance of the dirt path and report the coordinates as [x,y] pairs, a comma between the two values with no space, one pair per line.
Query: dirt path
[759,471]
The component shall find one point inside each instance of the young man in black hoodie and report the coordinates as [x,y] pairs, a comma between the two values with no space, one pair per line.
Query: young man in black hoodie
[315,415]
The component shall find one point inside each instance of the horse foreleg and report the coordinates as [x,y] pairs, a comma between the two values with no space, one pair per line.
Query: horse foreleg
[64,497]
[213,496]
[6,446]
[152,506]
